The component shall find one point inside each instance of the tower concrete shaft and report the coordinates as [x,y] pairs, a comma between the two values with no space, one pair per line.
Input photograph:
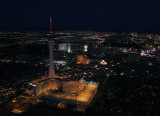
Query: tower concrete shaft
[51,63]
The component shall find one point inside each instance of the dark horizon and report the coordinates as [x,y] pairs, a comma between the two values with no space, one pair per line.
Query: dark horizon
[74,29]
[108,16]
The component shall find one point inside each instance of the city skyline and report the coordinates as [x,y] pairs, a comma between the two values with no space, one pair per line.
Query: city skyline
[100,58]
[126,66]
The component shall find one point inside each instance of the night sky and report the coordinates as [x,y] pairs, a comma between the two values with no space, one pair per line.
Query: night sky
[98,15]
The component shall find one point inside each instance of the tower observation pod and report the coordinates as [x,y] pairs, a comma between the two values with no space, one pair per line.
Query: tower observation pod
[51,36]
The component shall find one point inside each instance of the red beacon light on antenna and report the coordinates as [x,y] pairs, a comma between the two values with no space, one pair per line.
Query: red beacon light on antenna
[51,36]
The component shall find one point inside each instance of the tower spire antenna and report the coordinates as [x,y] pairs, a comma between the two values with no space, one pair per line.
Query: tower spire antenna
[50,24]
[51,37]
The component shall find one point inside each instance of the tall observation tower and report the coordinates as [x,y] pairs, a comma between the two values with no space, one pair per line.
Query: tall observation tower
[51,36]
